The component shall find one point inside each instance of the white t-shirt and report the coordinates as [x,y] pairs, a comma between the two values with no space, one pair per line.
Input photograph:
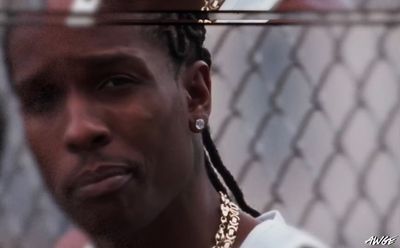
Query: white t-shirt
[273,232]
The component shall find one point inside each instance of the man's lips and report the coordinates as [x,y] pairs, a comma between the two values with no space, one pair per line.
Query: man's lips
[102,180]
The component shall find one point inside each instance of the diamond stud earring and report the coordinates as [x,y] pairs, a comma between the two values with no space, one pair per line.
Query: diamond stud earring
[200,124]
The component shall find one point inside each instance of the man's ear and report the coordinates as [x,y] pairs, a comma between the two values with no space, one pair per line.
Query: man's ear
[197,84]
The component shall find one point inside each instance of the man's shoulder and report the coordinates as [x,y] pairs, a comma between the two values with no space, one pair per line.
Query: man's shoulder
[274,232]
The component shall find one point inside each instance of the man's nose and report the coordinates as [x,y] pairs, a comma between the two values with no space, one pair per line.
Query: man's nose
[84,131]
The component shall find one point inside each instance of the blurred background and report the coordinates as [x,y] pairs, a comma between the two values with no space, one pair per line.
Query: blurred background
[306,117]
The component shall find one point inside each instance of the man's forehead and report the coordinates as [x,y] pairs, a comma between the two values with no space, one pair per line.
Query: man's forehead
[56,44]
[63,37]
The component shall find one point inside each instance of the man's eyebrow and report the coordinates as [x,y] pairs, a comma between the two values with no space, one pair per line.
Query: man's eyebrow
[23,85]
[124,55]
[98,58]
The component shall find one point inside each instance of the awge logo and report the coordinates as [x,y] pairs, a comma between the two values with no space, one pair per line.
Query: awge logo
[383,241]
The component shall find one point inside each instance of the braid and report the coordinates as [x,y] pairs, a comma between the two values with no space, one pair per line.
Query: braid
[185,44]
[213,176]
[225,174]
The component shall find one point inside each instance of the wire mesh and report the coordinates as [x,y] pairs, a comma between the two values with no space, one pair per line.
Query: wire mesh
[308,120]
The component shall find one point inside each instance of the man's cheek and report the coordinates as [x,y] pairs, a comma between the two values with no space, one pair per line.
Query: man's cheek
[47,167]
[44,153]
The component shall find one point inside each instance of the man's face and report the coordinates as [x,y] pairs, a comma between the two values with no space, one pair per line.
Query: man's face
[107,120]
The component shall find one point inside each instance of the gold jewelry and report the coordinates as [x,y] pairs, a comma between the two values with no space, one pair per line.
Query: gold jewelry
[229,223]
[228,226]
[210,5]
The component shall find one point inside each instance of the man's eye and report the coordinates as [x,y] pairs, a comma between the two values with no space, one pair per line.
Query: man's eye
[41,101]
[117,81]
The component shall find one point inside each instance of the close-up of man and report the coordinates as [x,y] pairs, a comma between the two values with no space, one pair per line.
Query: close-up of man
[117,120]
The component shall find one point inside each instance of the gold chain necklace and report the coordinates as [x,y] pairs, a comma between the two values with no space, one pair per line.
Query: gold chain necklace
[229,223]
[210,5]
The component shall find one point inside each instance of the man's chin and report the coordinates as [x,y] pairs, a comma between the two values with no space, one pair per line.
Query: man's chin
[107,215]
[101,222]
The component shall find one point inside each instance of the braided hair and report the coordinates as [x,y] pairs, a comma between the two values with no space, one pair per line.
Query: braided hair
[185,44]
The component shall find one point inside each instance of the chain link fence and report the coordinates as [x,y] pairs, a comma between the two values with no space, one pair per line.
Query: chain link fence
[307,118]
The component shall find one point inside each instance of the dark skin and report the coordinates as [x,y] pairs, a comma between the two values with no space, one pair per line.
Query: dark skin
[111,97]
